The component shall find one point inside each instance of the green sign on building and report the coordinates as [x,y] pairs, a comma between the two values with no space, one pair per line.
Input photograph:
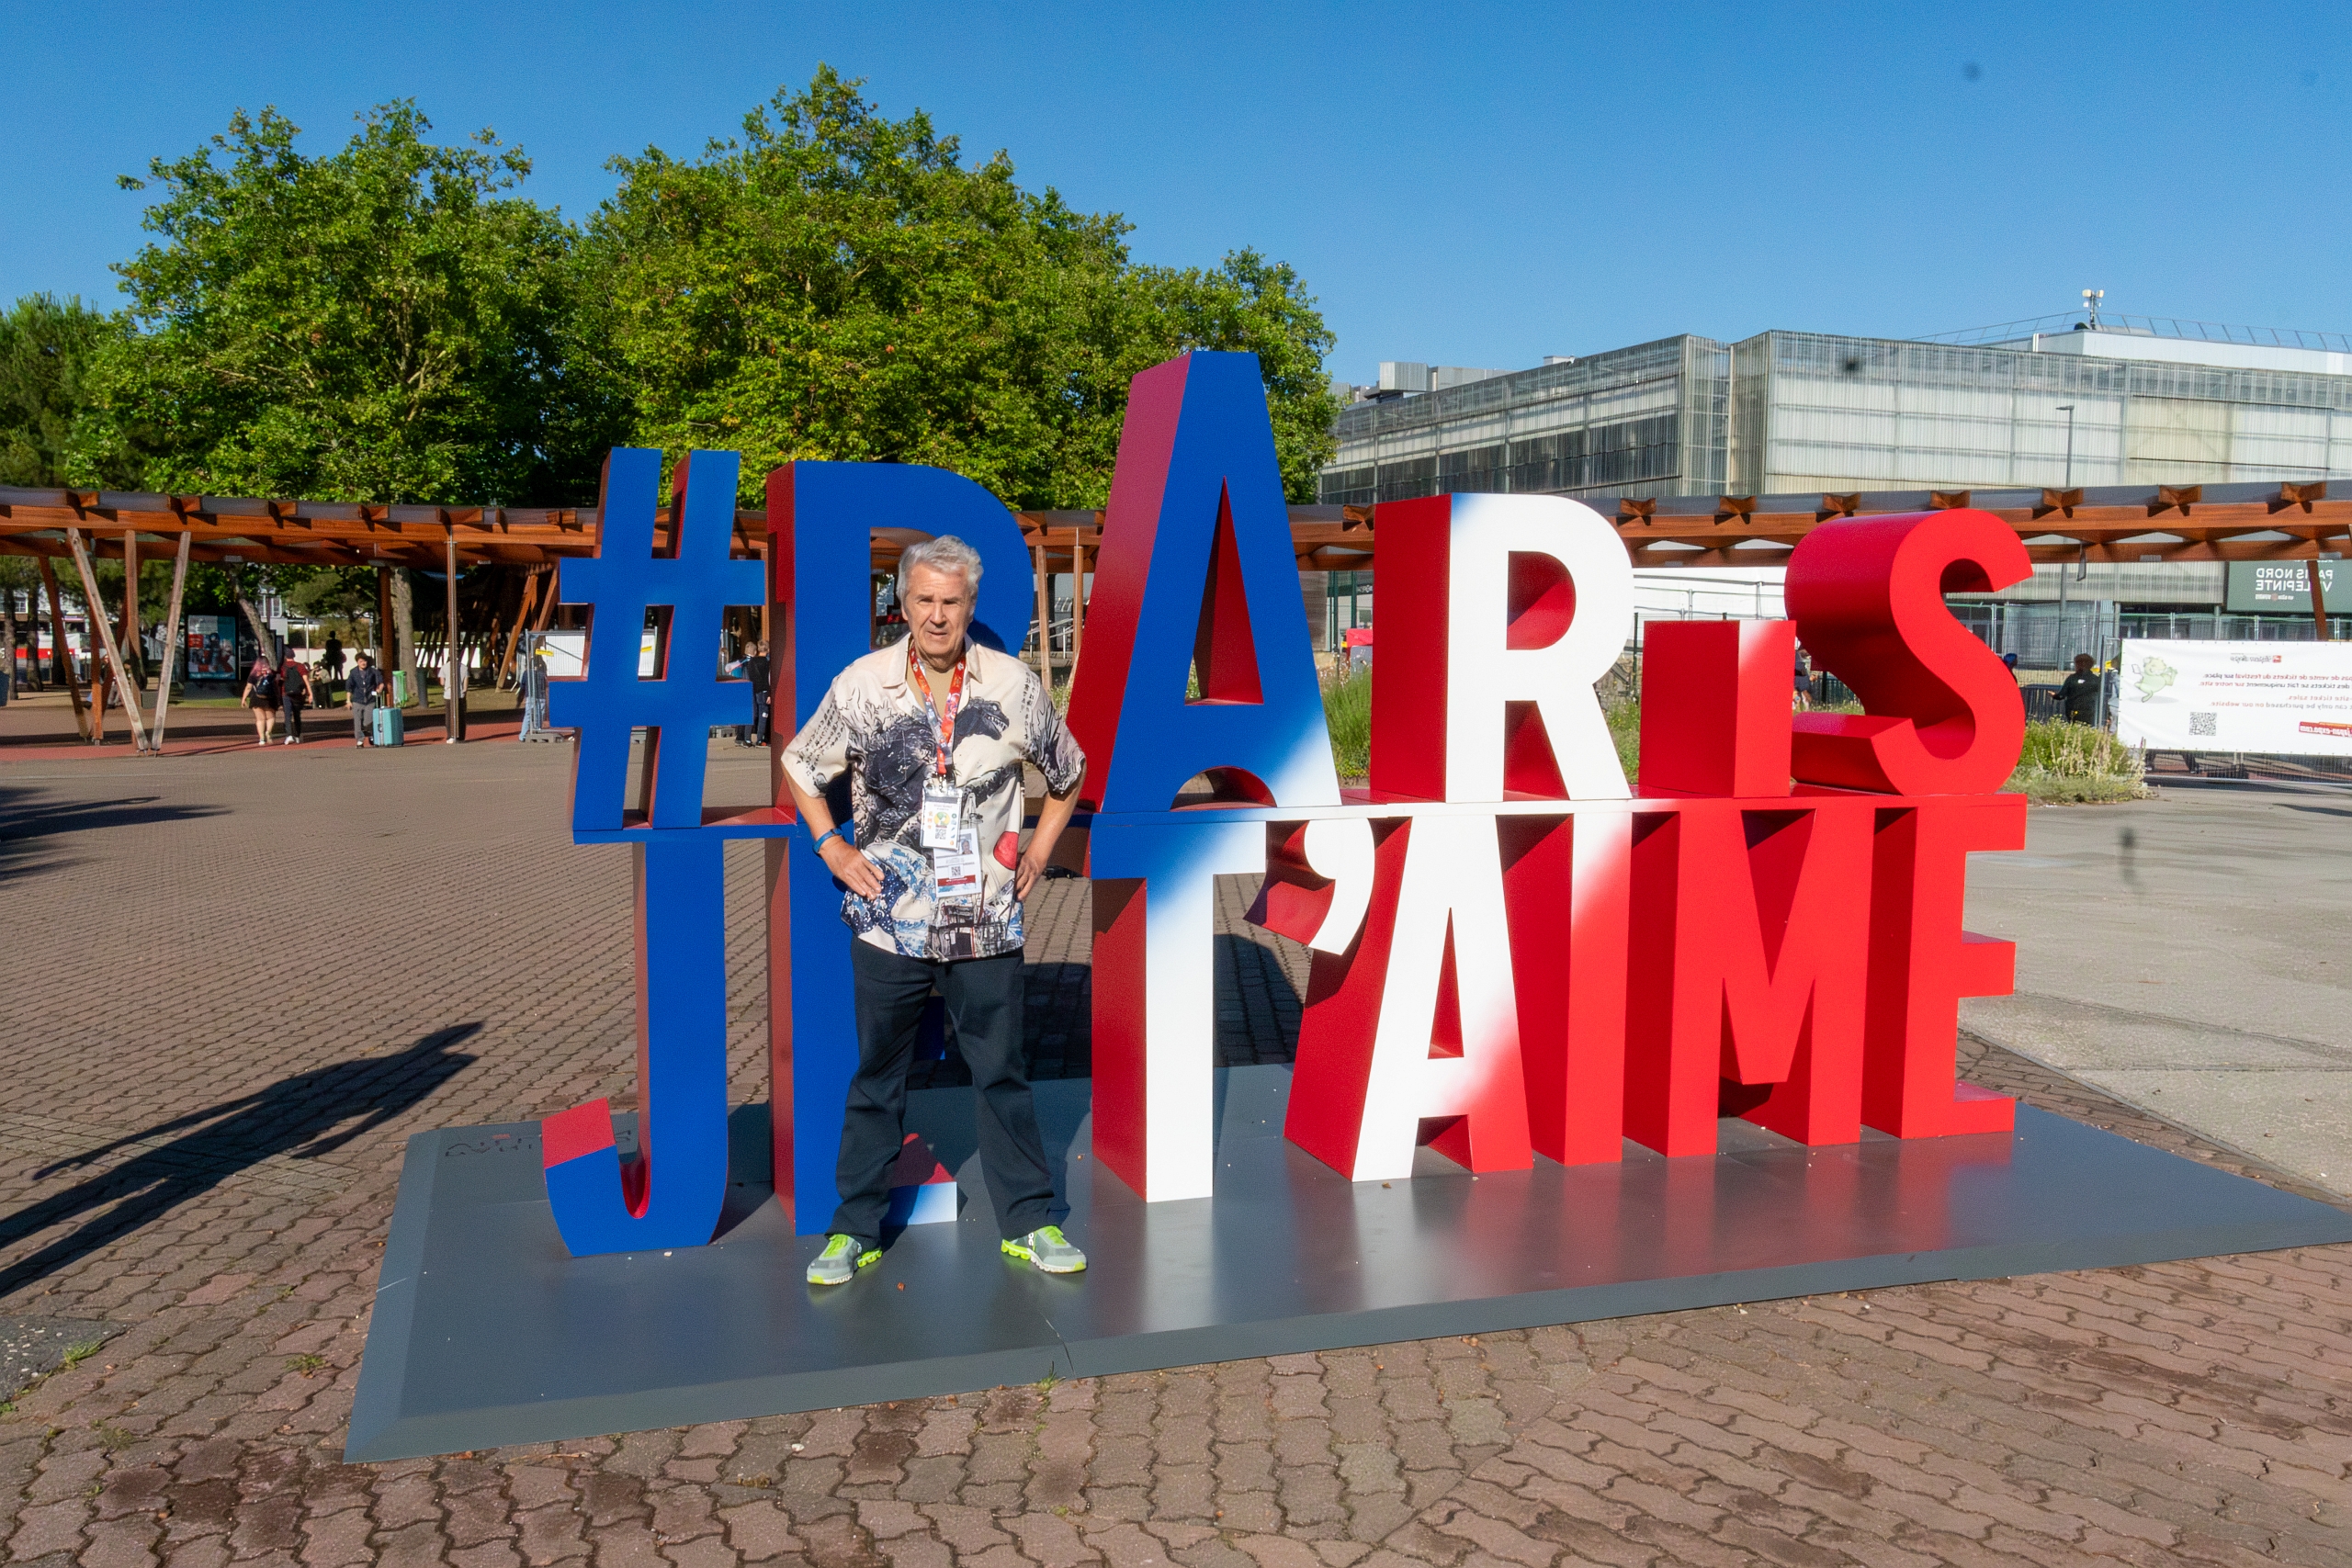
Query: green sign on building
[2284,587]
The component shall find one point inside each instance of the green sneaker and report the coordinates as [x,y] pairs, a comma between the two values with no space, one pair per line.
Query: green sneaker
[841,1260]
[1048,1250]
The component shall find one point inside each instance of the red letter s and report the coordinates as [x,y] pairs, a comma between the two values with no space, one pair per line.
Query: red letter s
[1941,715]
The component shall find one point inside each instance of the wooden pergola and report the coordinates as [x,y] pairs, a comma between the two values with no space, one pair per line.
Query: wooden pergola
[2120,523]
[2255,522]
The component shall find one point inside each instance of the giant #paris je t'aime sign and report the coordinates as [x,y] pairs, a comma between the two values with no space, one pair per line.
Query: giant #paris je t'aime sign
[1516,951]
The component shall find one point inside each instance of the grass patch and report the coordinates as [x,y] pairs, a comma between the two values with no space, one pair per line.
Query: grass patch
[2076,764]
[1625,731]
[1347,709]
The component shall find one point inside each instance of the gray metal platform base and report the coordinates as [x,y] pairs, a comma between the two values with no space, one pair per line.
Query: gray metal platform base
[486,1333]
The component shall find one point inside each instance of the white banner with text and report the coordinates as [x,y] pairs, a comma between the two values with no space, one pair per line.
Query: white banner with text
[2278,699]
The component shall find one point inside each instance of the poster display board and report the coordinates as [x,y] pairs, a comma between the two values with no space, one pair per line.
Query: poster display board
[566,653]
[2278,699]
[211,649]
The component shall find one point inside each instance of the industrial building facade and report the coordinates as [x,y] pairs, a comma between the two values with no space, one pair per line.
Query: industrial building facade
[1787,412]
[2129,402]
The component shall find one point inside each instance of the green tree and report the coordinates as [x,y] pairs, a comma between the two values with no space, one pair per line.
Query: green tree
[1246,302]
[386,322]
[49,349]
[837,284]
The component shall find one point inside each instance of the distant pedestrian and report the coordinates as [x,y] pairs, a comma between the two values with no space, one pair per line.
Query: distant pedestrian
[754,668]
[363,687]
[2009,663]
[261,695]
[294,694]
[2078,694]
[1804,693]
[332,662]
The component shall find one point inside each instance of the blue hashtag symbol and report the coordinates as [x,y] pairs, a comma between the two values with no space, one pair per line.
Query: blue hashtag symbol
[622,583]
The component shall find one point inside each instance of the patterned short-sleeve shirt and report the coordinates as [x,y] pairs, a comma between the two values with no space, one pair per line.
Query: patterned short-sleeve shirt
[873,725]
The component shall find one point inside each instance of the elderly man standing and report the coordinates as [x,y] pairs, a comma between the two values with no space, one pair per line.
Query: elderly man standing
[932,732]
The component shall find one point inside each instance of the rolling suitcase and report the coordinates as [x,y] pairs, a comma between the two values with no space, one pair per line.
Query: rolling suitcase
[388,727]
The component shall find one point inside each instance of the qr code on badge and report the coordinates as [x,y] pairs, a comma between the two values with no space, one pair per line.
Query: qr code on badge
[2204,723]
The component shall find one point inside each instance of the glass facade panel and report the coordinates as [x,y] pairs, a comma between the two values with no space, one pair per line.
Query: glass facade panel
[1347,487]
[1798,412]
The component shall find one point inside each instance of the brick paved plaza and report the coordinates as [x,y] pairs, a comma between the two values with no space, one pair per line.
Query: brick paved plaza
[236,983]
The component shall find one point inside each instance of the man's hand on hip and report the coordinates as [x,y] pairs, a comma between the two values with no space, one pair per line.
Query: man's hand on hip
[857,872]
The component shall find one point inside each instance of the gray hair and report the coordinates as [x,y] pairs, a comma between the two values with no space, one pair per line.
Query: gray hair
[945,553]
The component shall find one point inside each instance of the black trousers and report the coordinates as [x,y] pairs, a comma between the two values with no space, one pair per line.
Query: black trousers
[983,998]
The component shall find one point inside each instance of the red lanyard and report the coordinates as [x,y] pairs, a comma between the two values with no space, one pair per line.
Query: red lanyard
[954,700]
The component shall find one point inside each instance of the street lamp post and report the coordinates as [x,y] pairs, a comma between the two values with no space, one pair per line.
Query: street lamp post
[2067,483]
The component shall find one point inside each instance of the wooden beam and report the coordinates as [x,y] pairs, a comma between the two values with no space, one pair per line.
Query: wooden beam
[453,682]
[384,624]
[131,594]
[172,648]
[1076,596]
[1045,623]
[506,662]
[96,618]
[58,649]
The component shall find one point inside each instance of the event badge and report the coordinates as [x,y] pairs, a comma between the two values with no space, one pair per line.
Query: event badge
[943,816]
[957,870]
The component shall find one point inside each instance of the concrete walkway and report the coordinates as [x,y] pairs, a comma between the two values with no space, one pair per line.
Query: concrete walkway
[2191,954]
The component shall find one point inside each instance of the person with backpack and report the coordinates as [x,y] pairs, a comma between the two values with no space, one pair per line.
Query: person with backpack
[261,695]
[294,694]
[754,667]
[364,686]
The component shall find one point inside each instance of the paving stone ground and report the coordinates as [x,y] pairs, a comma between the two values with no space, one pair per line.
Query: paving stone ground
[235,984]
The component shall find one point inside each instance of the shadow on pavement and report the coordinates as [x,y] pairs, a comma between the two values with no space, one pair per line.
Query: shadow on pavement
[293,1116]
[26,823]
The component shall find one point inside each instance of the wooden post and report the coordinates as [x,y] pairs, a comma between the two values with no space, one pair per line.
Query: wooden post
[453,679]
[105,636]
[101,695]
[530,595]
[129,633]
[172,648]
[1076,596]
[131,594]
[384,624]
[2319,602]
[1044,617]
[59,651]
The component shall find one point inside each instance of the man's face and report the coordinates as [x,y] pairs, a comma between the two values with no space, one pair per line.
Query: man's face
[2082,664]
[939,609]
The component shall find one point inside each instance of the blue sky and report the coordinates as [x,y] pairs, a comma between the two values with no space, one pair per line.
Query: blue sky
[1476,185]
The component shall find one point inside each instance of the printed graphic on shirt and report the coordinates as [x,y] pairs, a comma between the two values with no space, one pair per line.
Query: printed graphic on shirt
[872,725]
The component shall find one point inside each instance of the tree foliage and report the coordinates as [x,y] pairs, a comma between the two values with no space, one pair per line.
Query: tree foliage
[387,322]
[392,321]
[837,284]
[48,351]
